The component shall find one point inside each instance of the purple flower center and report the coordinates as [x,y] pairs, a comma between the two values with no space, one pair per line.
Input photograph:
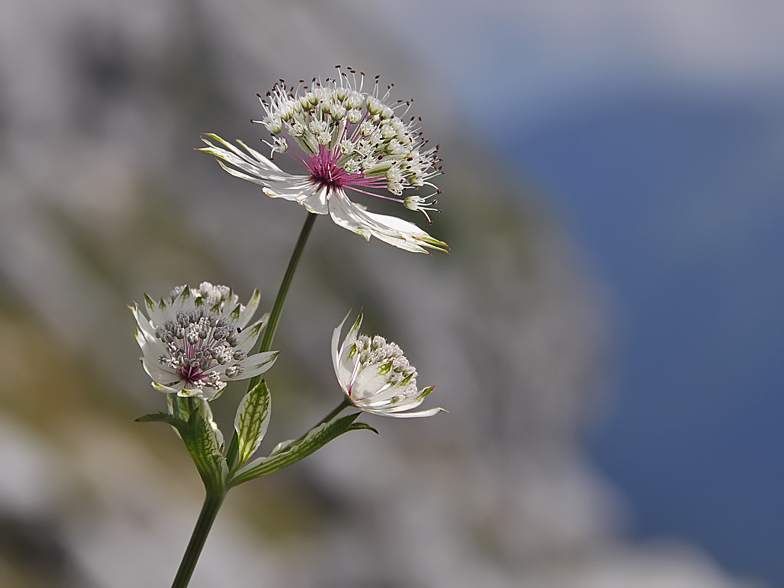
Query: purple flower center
[192,374]
[325,171]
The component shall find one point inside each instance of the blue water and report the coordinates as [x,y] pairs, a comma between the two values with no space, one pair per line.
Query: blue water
[682,207]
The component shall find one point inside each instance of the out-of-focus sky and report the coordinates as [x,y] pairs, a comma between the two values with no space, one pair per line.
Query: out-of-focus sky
[656,129]
[510,63]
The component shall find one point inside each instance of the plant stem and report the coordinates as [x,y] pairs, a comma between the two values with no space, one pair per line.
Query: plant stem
[277,309]
[212,502]
[207,516]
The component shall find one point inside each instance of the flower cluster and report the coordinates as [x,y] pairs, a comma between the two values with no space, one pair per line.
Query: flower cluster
[375,375]
[197,340]
[345,139]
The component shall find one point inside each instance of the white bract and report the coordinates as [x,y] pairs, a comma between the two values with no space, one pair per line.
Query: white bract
[196,340]
[375,375]
[345,139]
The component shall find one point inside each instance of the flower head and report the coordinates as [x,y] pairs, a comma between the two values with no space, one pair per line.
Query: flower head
[196,340]
[346,139]
[375,375]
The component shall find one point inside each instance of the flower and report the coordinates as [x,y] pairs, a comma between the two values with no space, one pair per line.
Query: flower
[345,139]
[197,339]
[375,375]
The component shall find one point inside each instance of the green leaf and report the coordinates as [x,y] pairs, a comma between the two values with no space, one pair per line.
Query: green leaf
[362,427]
[288,453]
[160,417]
[203,444]
[180,406]
[251,422]
[281,446]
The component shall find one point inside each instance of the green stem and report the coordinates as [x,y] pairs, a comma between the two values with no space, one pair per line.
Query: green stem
[277,309]
[208,513]
[212,503]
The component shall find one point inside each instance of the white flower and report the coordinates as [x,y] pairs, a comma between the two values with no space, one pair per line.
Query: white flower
[196,340]
[345,139]
[375,375]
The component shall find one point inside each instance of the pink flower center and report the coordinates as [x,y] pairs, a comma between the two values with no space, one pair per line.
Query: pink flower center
[192,374]
[325,171]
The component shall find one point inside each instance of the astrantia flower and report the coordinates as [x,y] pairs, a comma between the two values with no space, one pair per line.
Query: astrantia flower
[375,375]
[196,340]
[346,140]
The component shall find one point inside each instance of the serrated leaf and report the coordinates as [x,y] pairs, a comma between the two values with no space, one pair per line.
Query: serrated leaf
[252,419]
[309,443]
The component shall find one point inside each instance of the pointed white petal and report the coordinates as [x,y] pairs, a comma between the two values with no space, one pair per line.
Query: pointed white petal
[384,397]
[254,365]
[389,229]
[260,159]
[142,321]
[254,167]
[206,393]
[251,161]
[399,406]
[184,300]
[392,230]
[251,166]
[336,348]
[156,311]
[250,335]
[159,373]
[174,389]
[351,336]
[348,215]
[407,415]
[368,384]
[250,309]
[343,365]
[301,190]
[152,347]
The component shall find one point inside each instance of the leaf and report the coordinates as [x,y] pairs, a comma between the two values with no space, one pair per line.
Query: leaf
[204,446]
[206,412]
[281,446]
[160,417]
[286,455]
[252,419]
[180,406]
[362,427]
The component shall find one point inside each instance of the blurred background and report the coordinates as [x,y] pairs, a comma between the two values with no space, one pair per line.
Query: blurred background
[606,333]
